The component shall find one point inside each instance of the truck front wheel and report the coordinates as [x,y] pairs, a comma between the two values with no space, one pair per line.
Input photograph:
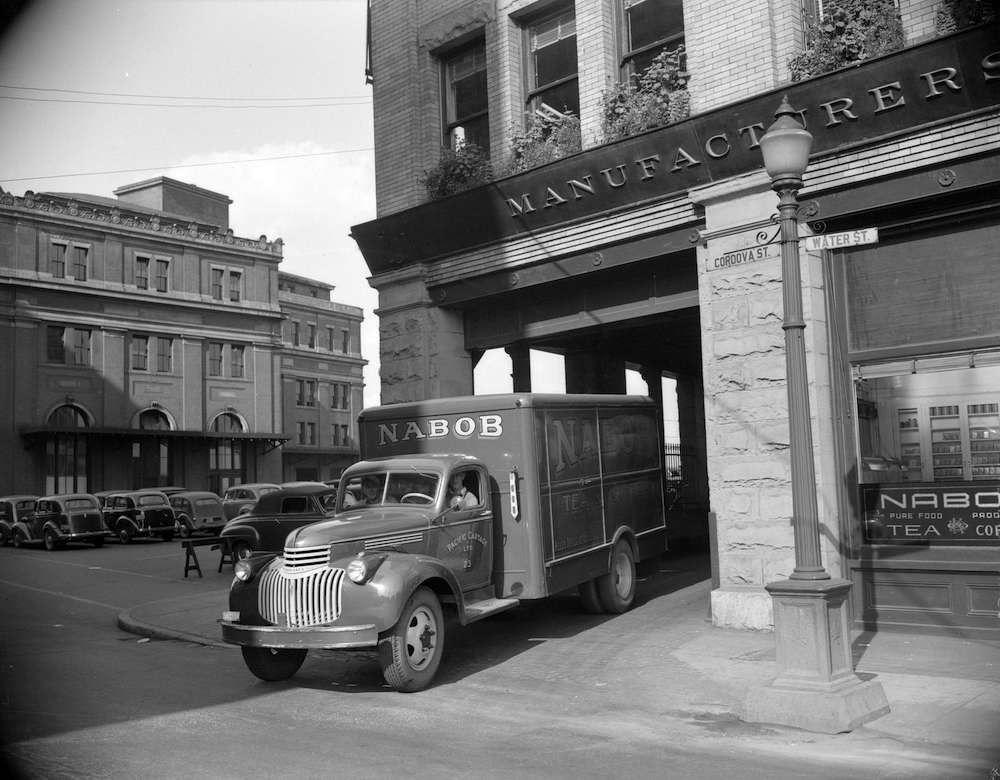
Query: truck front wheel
[410,651]
[271,664]
[616,589]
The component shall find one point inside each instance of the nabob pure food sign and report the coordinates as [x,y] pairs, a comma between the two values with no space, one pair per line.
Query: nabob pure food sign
[965,513]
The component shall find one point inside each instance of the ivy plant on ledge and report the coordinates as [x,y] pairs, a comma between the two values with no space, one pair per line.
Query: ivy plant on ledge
[548,135]
[848,32]
[458,169]
[657,97]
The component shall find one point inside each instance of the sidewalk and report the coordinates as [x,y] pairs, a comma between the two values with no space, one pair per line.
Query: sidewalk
[666,661]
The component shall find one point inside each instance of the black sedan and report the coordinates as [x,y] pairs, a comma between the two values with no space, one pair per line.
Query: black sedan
[277,514]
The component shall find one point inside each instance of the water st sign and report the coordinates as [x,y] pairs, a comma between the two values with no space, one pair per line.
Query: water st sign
[840,240]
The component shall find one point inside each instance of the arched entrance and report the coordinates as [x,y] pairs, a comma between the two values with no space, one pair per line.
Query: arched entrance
[66,453]
[226,457]
[152,464]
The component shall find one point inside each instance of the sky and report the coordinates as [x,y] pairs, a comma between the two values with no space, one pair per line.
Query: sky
[262,100]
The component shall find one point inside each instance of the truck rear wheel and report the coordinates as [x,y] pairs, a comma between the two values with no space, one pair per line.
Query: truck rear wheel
[271,664]
[410,651]
[616,589]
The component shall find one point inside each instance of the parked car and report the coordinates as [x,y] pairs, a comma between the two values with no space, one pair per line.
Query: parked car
[12,510]
[55,520]
[196,510]
[277,514]
[137,513]
[241,498]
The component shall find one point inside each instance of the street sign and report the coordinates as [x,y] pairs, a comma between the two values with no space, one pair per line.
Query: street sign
[841,240]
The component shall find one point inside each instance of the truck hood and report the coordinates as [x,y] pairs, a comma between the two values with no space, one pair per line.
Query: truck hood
[361,524]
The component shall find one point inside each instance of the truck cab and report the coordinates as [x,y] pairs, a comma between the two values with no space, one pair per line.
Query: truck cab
[469,505]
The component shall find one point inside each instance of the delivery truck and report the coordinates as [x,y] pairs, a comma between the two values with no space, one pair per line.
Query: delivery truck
[465,507]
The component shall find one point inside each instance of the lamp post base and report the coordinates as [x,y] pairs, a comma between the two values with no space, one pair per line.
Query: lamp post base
[816,688]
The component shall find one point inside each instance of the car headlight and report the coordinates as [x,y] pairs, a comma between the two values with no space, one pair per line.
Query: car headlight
[363,568]
[243,571]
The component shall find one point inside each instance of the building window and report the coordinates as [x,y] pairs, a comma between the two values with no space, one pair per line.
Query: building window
[295,333]
[235,282]
[80,263]
[340,395]
[552,63]
[214,359]
[345,341]
[142,273]
[339,436]
[81,347]
[311,335]
[465,101]
[164,354]
[306,433]
[217,277]
[236,364]
[66,453]
[651,27]
[162,275]
[140,353]
[55,344]
[305,392]
[331,339]
[57,259]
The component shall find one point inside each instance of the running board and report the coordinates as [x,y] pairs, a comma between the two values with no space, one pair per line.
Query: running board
[476,610]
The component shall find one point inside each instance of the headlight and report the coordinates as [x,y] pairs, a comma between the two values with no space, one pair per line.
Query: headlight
[363,568]
[243,571]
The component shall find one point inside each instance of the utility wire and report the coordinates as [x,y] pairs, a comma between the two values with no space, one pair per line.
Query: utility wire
[182,97]
[175,105]
[193,165]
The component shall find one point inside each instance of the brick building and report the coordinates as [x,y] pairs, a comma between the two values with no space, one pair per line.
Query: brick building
[144,346]
[655,251]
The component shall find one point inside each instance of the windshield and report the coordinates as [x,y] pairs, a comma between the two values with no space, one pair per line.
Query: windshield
[381,489]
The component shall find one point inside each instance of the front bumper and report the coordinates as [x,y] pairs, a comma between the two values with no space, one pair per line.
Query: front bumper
[326,637]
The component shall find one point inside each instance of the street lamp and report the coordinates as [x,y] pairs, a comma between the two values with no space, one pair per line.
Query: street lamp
[816,688]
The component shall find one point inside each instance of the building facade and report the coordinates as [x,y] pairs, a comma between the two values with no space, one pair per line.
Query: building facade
[143,340]
[658,251]
[321,379]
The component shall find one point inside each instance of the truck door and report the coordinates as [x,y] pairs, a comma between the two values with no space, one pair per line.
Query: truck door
[464,532]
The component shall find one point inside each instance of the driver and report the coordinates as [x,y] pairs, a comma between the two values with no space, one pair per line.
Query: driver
[459,496]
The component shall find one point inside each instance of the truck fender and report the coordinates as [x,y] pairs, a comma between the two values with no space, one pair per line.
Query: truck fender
[401,574]
[624,532]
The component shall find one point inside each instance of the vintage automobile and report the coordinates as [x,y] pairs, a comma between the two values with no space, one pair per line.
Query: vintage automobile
[139,513]
[239,499]
[277,514]
[55,520]
[12,510]
[196,510]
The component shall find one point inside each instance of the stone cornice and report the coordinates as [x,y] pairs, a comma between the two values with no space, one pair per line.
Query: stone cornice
[126,218]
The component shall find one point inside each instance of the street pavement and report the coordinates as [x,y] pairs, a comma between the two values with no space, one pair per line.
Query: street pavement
[666,661]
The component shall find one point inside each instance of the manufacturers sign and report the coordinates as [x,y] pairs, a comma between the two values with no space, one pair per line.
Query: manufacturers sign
[960,513]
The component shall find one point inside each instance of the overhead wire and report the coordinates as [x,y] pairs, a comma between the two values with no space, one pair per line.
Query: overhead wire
[192,165]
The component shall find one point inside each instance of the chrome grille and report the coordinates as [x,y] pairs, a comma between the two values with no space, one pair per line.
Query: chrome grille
[299,598]
[296,557]
[393,541]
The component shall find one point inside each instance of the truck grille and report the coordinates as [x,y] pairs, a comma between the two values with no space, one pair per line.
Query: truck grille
[297,557]
[307,597]
[394,541]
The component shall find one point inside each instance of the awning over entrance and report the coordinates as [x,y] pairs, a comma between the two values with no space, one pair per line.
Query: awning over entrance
[40,433]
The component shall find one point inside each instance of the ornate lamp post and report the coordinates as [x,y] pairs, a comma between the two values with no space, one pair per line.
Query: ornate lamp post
[816,687]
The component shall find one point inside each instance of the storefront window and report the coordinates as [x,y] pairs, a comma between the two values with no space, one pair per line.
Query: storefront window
[928,436]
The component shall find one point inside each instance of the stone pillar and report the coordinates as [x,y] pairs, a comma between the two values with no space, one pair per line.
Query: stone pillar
[520,359]
[421,346]
[745,399]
